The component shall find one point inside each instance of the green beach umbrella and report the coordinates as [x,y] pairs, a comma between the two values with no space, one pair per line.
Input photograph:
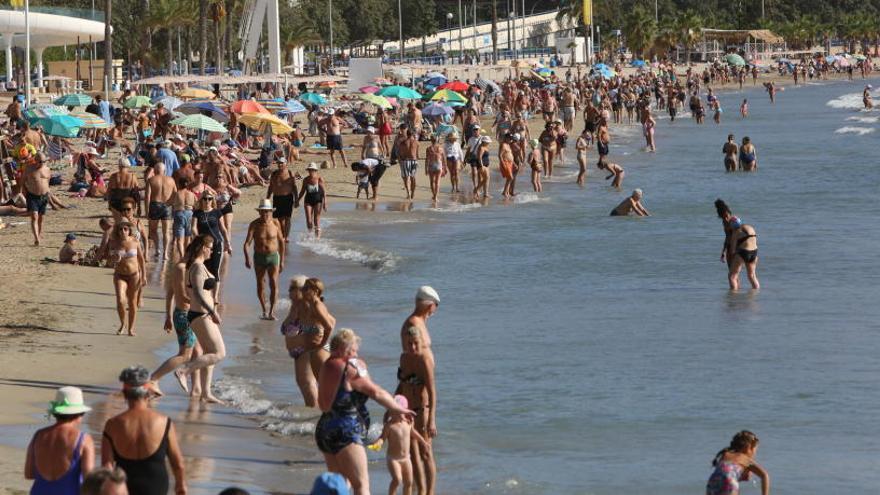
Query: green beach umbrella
[401,92]
[734,59]
[138,101]
[313,98]
[59,125]
[379,101]
[199,122]
[449,96]
[73,100]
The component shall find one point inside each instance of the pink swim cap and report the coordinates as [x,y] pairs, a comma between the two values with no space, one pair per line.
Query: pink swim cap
[401,401]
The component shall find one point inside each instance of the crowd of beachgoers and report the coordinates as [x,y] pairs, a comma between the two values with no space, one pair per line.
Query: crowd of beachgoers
[171,191]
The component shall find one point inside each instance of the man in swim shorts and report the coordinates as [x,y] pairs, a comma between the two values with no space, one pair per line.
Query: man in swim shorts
[569,104]
[160,189]
[332,127]
[408,154]
[269,246]
[36,193]
[175,297]
[282,191]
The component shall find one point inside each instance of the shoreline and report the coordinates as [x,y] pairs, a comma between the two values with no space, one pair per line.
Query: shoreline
[74,333]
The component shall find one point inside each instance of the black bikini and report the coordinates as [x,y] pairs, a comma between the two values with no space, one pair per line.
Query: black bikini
[748,255]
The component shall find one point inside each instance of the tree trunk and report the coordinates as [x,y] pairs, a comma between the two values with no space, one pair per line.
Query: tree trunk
[169,45]
[227,38]
[494,31]
[108,43]
[203,36]
[187,45]
[218,37]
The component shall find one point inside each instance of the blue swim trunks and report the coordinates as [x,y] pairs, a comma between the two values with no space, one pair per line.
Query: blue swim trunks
[185,335]
[182,223]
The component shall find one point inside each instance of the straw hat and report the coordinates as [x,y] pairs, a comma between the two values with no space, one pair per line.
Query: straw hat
[68,401]
[313,166]
[265,204]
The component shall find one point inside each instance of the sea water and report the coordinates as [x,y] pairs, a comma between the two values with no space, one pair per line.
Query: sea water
[580,353]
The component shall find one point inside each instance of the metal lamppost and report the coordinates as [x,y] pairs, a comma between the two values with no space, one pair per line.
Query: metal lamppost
[449,17]
[331,34]
[460,24]
[512,16]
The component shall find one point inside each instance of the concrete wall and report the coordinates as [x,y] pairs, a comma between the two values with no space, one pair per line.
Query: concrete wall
[68,68]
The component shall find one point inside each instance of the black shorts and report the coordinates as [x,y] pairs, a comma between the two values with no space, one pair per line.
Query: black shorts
[227,208]
[590,126]
[283,206]
[159,211]
[37,202]
[334,142]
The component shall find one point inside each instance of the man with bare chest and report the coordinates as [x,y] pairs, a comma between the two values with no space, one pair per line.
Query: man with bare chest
[269,250]
[408,154]
[282,191]
[36,192]
[159,191]
[332,127]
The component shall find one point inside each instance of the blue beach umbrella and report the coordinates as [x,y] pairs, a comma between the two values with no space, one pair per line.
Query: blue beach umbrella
[313,98]
[638,63]
[207,108]
[600,66]
[73,100]
[59,125]
[292,106]
[169,102]
[437,110]
[435,81]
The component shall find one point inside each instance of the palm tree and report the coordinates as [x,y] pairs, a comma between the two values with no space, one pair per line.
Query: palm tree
[299,34]
[640,29]
[494,31]
[108,43]
[218,13]
[203,36]
[688,25]
[571,14]
[167,15]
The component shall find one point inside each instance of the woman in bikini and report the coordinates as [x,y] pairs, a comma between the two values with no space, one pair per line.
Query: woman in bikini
[313,196]
[435,166]
[581,146]
[384,124]
[295,342]
[416,383]
[315,324]
[744,245]
[548,147]
[129,275]
[226,195]
[202,316]
[198,185]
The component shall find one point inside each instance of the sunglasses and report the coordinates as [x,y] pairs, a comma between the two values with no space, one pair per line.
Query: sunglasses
[126,209]
[208,199]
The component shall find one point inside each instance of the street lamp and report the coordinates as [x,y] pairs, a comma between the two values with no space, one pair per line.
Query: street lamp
[449,17]
[512,16]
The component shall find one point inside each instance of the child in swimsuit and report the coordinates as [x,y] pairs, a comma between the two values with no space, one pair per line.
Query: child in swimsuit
[399,433]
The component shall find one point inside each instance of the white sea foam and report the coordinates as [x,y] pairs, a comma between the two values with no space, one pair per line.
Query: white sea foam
[525,198]
[457,207]
[864,120]
[852,101]
[377,260]
[243,395]
[563,177]
[861,131]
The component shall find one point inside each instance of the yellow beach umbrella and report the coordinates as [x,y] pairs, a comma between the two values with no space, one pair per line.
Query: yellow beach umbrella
[379,101]
[195,93]
[259,121]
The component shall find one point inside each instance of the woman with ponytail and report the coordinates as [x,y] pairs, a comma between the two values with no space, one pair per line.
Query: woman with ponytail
[736,463]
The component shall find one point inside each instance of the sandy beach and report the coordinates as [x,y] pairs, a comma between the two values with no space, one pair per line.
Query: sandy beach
[58,323]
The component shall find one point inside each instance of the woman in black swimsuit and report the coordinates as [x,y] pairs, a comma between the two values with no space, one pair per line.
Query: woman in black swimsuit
[744,244]
[140,439]
[313,197]
[202,315]
[208,220]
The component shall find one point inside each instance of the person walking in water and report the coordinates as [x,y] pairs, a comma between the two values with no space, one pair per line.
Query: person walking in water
[269,248]
[744,246]
[748,156]
[730,150]
[736,463]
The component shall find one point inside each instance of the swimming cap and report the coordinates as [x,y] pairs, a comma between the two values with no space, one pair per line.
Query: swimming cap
[427,293]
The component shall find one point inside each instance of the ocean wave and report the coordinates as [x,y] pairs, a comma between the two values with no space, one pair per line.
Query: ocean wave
[852,101]
[864,120]
[525,198]
[243,396]
[861,131]
[457,207]
[377,260]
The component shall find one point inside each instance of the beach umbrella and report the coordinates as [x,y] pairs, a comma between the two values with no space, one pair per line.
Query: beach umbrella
[448,95]
[842,61]
[169,102]
[73,100]
[247,106]
[401,92]
[59,125]
[273,105]
[327,84]
[44,110]
[487,85]
[392,100]
[457,86]
[830,59]
[138,101]
[382,81]
[637,63]
[199,122]
[292,106]
[435,81]
[368,89]
[543,71]
[437,110]
[91,121]
[860,57]
[607,73]
[196,93]
[208,108]
[734,59]
[431,75]
[601,66]
[379,101]
[262,121]
[313,98]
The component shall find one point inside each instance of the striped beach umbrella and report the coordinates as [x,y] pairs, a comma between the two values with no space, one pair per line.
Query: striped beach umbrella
[199,122]
[448,95]
[74,100]
[273,105]
[91,121]
[59,125]
[379,101]
[169,102]
[292,106]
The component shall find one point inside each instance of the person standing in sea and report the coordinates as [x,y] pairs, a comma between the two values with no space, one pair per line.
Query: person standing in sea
[744,245]
[736,463]
[730,150]
[748,156]
[408,155]
[269,250]
[282,191]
